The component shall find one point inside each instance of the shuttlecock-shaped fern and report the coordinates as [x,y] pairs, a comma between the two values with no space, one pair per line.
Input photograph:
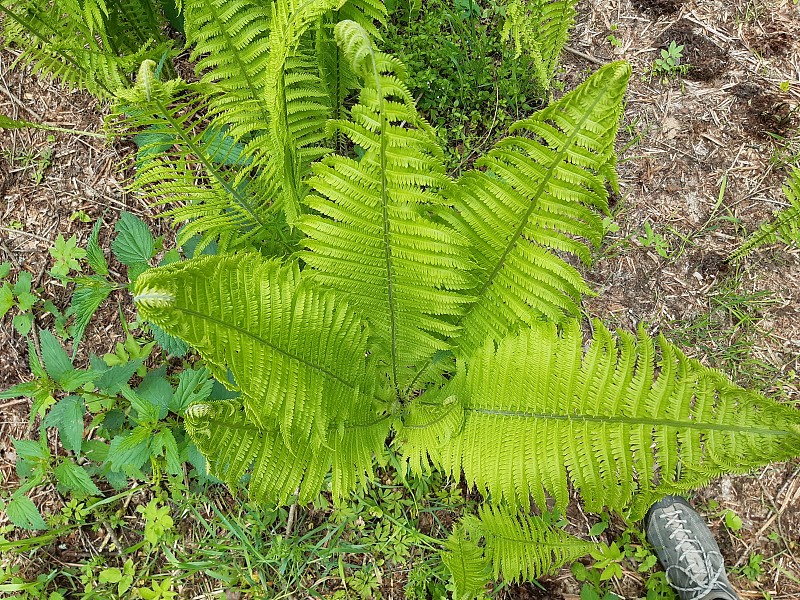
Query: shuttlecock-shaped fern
[439,309]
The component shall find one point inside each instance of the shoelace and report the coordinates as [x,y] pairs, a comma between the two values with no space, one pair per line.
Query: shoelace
[698,566]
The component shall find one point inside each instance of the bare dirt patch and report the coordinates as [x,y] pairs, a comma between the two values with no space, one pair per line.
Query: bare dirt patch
[706,60]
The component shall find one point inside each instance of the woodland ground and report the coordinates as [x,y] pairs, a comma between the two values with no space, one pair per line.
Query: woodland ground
[702,160]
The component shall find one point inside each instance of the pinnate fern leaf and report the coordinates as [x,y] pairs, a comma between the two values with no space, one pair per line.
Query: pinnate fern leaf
[184,165]
[534,195]
[540,29]
[468,566]
[234,445]
[540,412]
[785,224]
[297,356]
[501,541]
[90,45]
[371,236]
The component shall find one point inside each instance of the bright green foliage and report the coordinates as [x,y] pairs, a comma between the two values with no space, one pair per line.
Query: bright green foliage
[785,224]
[521,547]
[538,412]
[467,564]
[415,266]
[251,126]
[538,193]
[91,44]
[371,237]
[540,29]
[297,357]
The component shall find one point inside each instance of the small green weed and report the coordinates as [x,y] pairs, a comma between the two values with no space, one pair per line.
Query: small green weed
[669,65]
[654,240]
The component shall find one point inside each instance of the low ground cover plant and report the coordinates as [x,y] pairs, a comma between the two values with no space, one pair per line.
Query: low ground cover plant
[353,304]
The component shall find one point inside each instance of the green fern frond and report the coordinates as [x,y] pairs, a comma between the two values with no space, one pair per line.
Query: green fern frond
[189,169]
[88,45]
[535,195]
[469,568]
[371,236]
[539,412]
[524,547]
[297,356]
[501,541]
[235,445]
[540,29]
[785,223]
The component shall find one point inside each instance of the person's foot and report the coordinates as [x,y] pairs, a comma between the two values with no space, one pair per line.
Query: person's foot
[687,551]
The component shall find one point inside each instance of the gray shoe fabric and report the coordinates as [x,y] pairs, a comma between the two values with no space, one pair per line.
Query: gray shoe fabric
[687,551]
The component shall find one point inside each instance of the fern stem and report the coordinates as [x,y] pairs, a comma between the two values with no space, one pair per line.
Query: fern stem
[621,420]
[386,233]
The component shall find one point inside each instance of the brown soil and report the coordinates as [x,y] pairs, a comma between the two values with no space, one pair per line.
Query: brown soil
[706,60]
[657,8]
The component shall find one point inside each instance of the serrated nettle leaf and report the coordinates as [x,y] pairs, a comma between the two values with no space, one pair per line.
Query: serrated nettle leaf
[113,378]
[26,389]
[67,417]
[157,390]
[137,268]
[31,450]
[129,451]
[94,254]
[6,299]
[23,284]
[164,444]
[222,148]
[22,512]
[193,386]
[146,411]
[5,269]
[25,301]
[134,243]
[23,323]
[77,378]
[56,361]
[95,450]
[73,478]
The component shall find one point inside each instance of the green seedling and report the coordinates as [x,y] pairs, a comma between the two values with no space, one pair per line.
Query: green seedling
[670,65]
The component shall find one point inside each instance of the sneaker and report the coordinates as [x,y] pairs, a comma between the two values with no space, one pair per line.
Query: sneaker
[687,551]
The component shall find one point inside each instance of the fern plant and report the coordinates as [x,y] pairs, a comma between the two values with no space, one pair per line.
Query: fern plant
[785,224]
[93,45]
[231,152]
[439,313]
[540,29]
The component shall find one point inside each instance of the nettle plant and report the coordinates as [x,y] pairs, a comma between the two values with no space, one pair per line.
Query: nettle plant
[363,296]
